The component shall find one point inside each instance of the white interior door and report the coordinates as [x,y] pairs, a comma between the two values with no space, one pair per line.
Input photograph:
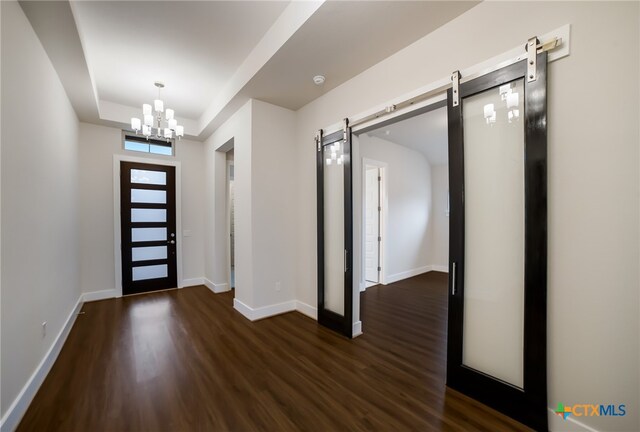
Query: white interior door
[372,224]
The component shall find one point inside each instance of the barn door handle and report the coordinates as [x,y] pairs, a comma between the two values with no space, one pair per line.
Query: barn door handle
[453,278]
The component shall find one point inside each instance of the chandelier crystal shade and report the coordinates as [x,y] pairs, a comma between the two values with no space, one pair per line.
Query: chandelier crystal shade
[154,124]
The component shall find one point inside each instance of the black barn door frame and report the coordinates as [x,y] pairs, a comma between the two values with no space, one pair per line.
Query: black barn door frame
[340,323]
[529,404]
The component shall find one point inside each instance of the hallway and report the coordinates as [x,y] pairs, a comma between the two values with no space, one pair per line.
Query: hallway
[186,360]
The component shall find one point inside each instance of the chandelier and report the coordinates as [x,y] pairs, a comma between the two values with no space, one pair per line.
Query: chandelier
[153,125]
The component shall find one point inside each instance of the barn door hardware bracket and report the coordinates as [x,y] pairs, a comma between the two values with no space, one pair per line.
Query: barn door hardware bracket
[455,88]
[345,128]
[532,54]
[319,139]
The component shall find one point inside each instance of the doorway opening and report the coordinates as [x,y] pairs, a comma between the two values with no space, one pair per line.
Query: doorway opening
[224,270]
[231,217]
[401,224]
[374,216]
[404,229]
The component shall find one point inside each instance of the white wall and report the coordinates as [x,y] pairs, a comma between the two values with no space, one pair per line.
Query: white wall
[40,252]
[439,245]
[238,129]
[408,226]
[273,201]
[593,180]
[264,188]
[98,145]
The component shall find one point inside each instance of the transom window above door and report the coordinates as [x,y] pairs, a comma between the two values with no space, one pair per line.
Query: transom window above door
[153,146]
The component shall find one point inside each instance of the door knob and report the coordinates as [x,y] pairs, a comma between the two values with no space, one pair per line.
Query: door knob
[171,242]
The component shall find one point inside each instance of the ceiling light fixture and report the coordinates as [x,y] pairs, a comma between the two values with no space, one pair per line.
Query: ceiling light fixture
[336,156]
[153,124]
[318,79]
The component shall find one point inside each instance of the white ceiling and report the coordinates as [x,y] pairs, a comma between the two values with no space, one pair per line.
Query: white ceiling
[426,133]
[215,55]
[193,46]
[343,39]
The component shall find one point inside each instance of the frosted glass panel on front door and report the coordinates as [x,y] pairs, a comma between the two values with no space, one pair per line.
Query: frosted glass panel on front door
[148,253]
[148,196]
[148,177]
[334,252]
[150,272]
[148,234]
[148,215]
[493,330]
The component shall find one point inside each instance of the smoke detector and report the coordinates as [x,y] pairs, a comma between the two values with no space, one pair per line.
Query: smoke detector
[318,79]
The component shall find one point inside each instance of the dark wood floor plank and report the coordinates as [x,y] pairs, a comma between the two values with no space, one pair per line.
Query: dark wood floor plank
[185,360]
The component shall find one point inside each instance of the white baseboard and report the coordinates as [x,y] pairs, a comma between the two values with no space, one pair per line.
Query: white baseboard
[415,272]
[19,406]
[255,314]
[306,309]
[357,329]
[99,295]
[557,423]
[191,282]
[440,268]
[407,274]
[216,288]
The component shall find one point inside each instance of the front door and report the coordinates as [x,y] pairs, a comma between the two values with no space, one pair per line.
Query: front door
[148,227]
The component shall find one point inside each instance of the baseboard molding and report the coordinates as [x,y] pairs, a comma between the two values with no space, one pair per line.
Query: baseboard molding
[407,274]
[557,423]
[192,282]
[440,268]
[254,314]
[99,295]
[19,406]
[216,288]
[357,329]
[307,310]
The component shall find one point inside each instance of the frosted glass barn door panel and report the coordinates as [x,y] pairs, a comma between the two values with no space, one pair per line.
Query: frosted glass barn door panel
[494,233]
[335,227]
[334,254]
[497,323]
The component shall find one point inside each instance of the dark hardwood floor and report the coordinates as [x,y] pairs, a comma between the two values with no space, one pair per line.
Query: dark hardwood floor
[185,360]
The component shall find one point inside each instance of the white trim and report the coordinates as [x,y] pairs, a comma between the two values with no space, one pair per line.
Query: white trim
[556,423]
[99,295]
[306,309]
[192,282]
[563,32]
[440,268]
[216,288]
[117,158]
[407,274]
[20,404]
[357,329]
[383,167]
[255,314]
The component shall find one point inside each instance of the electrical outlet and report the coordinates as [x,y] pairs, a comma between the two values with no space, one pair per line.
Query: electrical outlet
[278,286]
[44,329]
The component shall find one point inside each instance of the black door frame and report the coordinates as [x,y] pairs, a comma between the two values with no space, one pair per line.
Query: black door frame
[341,324]
[527,405]
[171,281]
